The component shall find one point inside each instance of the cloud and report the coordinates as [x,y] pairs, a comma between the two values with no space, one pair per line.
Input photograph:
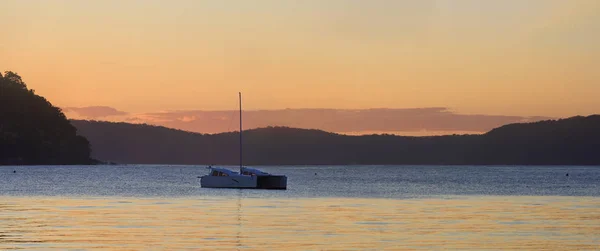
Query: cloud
[344,121]
[415,121]
[187,118]
[93,112]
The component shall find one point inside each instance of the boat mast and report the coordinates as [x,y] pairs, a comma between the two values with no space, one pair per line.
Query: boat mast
[240,133]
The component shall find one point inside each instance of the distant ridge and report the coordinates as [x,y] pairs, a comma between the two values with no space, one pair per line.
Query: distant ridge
[572,141]
[400,121]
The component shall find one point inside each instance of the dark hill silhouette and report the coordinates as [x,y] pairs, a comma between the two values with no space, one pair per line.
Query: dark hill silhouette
[575,140]
[32,131]
[572,141]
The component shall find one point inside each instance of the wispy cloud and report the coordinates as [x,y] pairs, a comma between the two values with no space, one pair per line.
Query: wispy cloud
[416,121]
[92,112]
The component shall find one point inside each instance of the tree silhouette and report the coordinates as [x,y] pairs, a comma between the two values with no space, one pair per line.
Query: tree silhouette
[33,131]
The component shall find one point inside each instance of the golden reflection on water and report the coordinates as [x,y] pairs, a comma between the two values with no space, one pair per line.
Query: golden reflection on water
[220,223]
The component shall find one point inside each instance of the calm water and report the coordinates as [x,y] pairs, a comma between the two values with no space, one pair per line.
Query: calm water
[324,208]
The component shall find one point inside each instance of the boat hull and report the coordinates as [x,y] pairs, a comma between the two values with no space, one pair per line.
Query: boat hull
[272,182]
[228,181]
[277,182]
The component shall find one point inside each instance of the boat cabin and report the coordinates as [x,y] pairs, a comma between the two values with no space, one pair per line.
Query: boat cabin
[253,172]
[214,171]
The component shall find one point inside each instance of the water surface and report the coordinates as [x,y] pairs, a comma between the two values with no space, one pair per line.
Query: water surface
[324,208]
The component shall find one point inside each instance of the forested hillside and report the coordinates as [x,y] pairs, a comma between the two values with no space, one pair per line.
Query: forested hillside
[572,141]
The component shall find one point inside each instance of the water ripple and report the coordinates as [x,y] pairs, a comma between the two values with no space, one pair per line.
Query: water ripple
[489,222]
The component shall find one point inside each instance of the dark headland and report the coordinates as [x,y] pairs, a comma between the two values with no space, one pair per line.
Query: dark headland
[34,132]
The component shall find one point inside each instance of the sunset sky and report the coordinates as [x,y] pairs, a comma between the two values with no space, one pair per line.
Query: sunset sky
[509,57]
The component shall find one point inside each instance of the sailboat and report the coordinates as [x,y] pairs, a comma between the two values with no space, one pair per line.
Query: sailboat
[246,178]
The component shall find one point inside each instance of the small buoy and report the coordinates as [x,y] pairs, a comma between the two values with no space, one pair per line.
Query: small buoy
[567,174]
[315,173]
[15,171]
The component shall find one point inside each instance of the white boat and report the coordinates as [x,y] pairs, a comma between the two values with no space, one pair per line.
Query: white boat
[245,178]
[249,178]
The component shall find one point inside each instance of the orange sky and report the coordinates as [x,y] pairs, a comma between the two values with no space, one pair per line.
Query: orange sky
[513,57]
